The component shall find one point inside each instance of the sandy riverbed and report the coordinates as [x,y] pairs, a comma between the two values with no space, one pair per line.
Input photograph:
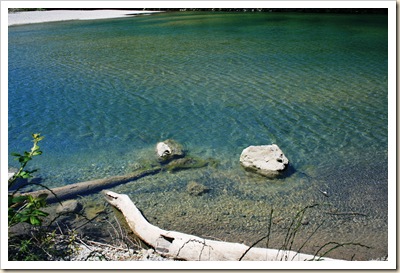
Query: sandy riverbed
[31,17]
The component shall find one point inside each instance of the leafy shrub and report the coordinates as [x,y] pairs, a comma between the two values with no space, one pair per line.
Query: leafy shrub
[26,208]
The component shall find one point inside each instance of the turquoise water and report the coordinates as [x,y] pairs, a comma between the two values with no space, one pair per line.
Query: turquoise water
[104,92]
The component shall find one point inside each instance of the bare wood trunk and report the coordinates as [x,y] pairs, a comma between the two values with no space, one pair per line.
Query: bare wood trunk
[82,188]
[192,248]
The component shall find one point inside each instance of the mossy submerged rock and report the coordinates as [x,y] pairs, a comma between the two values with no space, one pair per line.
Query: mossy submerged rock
[168,150]
[186,163]
[69,206]
[266,160]
[196,189]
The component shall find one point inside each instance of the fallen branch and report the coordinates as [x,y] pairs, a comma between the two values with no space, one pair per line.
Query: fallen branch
[82,188]
[183,246]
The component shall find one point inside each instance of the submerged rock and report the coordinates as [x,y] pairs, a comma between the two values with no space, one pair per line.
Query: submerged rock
[19,182]
[69,206]
[267,160]
[196,189]
[186,163]
[10,175]
[168,150]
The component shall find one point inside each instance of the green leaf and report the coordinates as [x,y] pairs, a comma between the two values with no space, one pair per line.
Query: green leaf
[23,218]
[37,137]
[25,174]
[41,202]
[24,159]
[40,213]
[31,198]
[35,221]
[36,153]
[15,154]
[11,212]
[19,199]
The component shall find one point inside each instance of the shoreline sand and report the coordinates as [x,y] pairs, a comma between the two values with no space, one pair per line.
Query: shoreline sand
[32,17]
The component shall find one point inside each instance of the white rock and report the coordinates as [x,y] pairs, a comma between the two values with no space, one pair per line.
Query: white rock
[267,160]
[18,183]
[169,149]
[163,149]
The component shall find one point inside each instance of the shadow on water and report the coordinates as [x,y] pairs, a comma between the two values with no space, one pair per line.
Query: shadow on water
[288,172]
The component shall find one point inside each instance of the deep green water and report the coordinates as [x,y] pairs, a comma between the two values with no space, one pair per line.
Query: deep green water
[104,92]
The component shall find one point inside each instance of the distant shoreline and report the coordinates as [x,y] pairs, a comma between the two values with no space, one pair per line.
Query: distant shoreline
[32,17]
[22,16]
[303,10]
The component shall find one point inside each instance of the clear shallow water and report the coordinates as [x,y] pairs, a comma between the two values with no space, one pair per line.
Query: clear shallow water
[104,92]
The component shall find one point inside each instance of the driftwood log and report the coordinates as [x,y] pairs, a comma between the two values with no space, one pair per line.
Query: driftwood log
[192,248]
[87,187]
[82,188]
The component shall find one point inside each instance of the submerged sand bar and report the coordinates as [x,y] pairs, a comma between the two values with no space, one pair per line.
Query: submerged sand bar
[31,17]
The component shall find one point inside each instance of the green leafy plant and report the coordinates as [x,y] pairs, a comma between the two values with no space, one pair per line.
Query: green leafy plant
[26,208]
[42,245]
[24,159]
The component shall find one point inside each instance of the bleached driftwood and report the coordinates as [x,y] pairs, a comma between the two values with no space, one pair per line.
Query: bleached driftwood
[192,248]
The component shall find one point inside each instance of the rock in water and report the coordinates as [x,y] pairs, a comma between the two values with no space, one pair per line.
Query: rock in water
[69,206]
[19,182]
[168,150]
[10,175]
[185,163]
[267,160]
[196,189]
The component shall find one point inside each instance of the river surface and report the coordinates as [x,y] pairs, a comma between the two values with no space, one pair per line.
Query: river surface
[104,92]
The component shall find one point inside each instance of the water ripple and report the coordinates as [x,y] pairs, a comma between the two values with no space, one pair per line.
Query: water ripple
[104,97]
